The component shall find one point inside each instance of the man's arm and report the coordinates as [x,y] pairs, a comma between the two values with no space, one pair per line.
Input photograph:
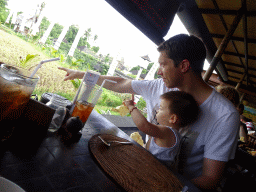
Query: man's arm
[122,85]
[211,176]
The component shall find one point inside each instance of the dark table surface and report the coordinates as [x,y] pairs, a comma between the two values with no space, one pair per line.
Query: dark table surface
[55,166]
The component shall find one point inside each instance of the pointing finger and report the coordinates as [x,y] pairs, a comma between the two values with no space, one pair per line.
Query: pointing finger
[62,68]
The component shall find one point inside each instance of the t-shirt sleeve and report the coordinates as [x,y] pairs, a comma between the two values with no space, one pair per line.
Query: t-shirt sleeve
[144,87]
[222,142]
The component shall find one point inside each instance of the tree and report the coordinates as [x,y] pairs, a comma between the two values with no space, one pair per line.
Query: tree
[95,49]
[3,11]
[95,37]
[56,31]
[43,26]
[42,6]
[135,68]
[107,59]
[149,66]
[88,33]
[71,34]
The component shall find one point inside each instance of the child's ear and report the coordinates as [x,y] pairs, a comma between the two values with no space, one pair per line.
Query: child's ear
[173,119]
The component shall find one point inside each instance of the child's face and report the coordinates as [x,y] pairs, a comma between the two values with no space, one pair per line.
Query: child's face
[163,114]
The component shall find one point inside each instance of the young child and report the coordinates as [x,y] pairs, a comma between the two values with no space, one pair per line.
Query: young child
[177,110]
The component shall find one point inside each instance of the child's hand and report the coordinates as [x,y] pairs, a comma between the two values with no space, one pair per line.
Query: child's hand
[128,103]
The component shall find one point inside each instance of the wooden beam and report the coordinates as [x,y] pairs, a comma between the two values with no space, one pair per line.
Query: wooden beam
[226,28]
[234,71]
[224,12]
[239,72]
[242,97]
[245,42]
[223,44]
[239,55]
[237,65]
[240,81]
[234,38]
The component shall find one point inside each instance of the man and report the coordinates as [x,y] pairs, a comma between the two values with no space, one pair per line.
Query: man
[181,62]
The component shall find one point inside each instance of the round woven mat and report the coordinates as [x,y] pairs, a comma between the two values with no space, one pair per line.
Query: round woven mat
[132,167]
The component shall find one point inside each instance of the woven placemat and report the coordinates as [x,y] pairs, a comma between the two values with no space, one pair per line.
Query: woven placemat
[132,167]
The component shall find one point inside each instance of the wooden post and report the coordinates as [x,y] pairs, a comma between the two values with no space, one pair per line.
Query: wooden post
[224,44]
[241,98]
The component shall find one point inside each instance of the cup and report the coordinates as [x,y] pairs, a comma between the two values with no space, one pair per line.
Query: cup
[86,100]
[16,89]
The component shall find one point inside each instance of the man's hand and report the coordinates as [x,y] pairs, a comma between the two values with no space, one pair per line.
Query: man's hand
[72,74]
[211,176]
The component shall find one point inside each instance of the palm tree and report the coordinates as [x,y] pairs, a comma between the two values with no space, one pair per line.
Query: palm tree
[37,16]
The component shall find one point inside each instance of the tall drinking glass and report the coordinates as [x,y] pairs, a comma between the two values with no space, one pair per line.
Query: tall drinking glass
[87,99]
[16,88]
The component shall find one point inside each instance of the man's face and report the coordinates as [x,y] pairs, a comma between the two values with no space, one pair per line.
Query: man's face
[171,75]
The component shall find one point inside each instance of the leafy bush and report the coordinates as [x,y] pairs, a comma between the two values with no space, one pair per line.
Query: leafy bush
[109,99]
[141,104]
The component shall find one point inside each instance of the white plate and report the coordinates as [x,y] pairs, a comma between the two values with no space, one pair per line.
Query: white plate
[8,186]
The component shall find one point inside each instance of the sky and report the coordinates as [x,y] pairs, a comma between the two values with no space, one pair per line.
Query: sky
[116,35]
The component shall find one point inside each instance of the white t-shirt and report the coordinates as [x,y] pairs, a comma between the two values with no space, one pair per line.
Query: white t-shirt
[166,154]
[217,125]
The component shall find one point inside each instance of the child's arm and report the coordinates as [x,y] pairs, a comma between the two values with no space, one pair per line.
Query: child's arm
[146,127]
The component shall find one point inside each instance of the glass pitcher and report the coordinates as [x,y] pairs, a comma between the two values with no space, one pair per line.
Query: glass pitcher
[16,88]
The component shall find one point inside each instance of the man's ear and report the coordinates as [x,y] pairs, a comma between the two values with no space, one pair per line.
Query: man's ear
[173,119]
[185,65]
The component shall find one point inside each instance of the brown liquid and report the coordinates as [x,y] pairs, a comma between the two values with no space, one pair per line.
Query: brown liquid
[13,99]
[82,110]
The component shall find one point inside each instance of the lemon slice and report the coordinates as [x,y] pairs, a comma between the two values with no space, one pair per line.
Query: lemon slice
[137,137]
[122,110]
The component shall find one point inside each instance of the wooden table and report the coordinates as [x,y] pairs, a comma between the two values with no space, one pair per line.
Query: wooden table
[54,166]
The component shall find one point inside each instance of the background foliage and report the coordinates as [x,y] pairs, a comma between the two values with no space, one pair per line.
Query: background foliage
[24,51]
[3,11]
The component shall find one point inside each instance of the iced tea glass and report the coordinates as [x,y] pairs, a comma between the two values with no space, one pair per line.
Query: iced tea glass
[16,88]
[87,99]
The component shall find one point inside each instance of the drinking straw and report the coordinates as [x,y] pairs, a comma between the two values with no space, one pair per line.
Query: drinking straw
[98,92]
[75,99]
[40,64]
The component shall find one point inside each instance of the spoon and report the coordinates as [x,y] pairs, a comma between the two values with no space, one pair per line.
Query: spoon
[109,142]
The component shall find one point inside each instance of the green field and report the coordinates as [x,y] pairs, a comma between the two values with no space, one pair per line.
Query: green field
[13,49]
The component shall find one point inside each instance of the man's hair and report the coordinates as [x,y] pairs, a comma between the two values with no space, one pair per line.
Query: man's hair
[182,47]
[183,105]
[231,94]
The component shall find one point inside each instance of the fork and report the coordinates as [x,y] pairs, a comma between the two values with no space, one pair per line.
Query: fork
[109,142]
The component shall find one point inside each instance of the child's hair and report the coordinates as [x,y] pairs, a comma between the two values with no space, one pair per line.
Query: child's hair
[231,94]
[183,105]
[245,119]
